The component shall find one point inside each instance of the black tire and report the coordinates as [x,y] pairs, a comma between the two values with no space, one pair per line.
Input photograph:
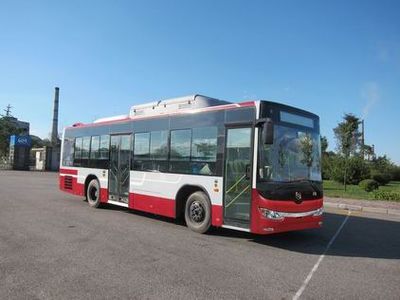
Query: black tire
[93,193]
[198,212]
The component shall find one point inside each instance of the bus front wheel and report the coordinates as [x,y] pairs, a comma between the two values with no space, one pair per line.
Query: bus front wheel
[198,212]
[93,193]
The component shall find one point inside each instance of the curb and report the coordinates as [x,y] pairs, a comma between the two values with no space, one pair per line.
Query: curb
[377,210]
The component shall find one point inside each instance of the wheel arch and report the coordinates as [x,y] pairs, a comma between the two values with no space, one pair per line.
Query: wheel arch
[182,195]
[88,179]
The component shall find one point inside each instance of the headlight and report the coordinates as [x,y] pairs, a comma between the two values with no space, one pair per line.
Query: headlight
[275,215]
[270,214]
[319,212]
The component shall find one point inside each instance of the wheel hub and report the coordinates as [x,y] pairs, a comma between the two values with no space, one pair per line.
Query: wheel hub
[93,193]
[197,212]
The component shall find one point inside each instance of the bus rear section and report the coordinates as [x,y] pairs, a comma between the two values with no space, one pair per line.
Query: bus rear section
[252,166]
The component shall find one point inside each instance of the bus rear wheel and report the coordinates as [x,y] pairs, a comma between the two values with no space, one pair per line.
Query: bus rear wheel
[198,212]
[93,193]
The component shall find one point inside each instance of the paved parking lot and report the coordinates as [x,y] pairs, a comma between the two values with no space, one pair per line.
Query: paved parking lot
[52,245]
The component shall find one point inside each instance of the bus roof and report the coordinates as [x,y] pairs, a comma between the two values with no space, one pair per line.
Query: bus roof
[174,105]
[186,104]
[181,105]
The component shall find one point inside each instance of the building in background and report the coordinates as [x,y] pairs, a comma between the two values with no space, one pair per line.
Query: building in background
[23,127]
[20,146]
[45,158]
[14,154]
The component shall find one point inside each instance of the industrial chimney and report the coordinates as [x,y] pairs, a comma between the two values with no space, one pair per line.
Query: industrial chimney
[54,132]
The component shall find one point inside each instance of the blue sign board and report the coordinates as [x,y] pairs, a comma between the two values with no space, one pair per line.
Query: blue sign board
[20,141]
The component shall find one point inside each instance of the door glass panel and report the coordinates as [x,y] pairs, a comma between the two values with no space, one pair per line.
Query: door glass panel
[124,167]
[237,181]
[113,177]
[120,154]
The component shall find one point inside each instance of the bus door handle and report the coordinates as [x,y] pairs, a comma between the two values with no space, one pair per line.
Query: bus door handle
[248,171]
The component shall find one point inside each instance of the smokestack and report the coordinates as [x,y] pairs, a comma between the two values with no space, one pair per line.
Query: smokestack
[54,132]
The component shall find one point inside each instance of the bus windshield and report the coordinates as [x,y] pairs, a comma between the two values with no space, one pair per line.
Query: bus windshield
[295,155]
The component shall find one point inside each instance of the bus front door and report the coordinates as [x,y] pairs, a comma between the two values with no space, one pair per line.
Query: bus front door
[120,159]
[237,186]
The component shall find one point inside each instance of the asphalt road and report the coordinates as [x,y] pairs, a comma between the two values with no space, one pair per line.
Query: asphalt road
[53,246]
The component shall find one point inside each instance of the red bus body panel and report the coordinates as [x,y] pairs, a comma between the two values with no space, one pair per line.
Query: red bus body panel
[261,225]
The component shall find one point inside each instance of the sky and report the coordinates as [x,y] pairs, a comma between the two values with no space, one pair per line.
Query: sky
[328,57]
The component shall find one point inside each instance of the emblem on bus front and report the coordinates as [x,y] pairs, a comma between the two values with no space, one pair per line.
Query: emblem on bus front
[297,196]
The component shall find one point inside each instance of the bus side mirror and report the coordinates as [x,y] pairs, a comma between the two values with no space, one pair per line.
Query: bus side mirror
[268,132]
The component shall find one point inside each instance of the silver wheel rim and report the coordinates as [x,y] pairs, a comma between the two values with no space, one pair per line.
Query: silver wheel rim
[197,212]
[93,193]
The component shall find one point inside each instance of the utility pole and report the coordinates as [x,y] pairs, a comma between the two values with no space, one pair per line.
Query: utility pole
[8,111]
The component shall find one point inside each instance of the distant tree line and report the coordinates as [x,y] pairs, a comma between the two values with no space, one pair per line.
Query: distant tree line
[353,162]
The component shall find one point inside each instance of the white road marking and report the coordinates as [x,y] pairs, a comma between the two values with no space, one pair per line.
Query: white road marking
[309,276]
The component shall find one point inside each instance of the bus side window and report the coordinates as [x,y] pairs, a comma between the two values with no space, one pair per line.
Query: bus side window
[104,146]
[141,151]
[85,151]
[204,150]
[180,151]
[204,144]
[94,151]
[159,151]
[78,152]
[68,152]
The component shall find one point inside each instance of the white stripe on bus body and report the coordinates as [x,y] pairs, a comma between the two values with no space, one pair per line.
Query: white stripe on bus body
[74,176]
[164,185]
[101,174]
[167,185]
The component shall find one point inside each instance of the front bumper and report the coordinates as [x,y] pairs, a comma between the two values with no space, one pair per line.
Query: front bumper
[271,216]
[278,215]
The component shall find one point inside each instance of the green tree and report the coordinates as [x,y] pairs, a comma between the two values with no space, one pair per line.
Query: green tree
[37,142]
[348,140]
[326,158]
[395,173]
[382,169]
[348,136]
[356,168]
[46,142]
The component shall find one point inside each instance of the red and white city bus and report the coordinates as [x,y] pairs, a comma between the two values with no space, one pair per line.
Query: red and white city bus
[253,166]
